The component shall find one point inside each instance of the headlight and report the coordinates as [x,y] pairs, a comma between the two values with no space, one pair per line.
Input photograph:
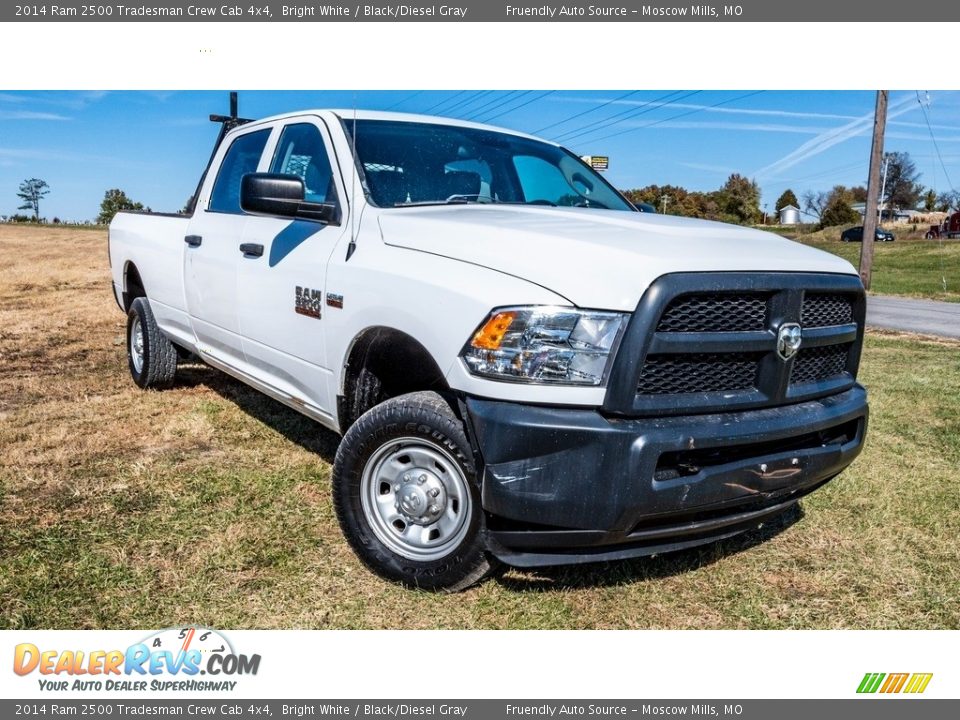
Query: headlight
[545,345]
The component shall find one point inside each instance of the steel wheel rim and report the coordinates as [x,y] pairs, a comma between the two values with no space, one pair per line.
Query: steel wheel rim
[136,344]
[416,499]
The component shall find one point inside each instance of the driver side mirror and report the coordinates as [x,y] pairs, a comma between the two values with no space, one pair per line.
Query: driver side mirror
[279,195]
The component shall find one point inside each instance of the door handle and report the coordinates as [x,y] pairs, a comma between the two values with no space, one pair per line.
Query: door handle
[193,240]
[252,249]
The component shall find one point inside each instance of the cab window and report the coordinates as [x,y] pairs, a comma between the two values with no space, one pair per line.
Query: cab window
[301,152]
[241,159]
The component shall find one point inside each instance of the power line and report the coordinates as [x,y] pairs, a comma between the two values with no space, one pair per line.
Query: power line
[933,138]
[478,115]
[517,107]
[678,116]
[825,173]
[401,102]
[936,147]
[609,120]
[495,102]
[624,115]
[469,100]
[585,112]
[444,101]
[708,107]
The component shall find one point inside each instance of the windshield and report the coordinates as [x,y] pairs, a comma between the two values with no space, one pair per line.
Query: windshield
[408,163]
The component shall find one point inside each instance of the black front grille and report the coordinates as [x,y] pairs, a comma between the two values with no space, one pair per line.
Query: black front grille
[697,373]
[708,342]
[715,312]
[826,309]
[819,363]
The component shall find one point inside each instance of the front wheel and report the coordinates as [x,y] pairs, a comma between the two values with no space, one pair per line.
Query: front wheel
[405,492]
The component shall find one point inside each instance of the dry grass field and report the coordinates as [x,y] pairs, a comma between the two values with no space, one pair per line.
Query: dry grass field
[209,503]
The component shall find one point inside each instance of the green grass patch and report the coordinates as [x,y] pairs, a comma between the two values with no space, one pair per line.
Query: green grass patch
[912,268]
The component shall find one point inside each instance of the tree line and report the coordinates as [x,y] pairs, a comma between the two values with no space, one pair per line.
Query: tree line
[901,191]
[32,191]
[736,201]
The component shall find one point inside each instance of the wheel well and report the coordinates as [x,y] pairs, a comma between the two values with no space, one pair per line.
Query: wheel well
[132,285]
[384,363]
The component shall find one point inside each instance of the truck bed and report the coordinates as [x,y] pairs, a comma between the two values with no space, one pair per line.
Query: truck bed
[153,244]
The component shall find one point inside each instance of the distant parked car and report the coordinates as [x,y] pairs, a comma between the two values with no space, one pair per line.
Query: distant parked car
[855,234]
[645,207]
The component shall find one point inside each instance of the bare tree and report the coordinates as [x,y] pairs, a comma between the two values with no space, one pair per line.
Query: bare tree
[948,200]
[816,202]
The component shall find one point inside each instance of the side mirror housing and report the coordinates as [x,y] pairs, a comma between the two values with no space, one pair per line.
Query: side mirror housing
[279,195]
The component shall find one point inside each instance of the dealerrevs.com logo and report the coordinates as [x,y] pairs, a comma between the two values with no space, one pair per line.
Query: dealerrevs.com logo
[177,659]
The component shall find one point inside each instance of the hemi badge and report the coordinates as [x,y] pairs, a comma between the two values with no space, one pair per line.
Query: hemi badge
[334,300]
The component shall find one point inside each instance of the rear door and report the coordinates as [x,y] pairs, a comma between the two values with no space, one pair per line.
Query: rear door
[282,291]
[212,252]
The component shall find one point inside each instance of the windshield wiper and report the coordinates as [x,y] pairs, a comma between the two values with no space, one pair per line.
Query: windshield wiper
[452,200]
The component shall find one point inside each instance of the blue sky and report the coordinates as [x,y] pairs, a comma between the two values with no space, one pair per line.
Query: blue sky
[154,145]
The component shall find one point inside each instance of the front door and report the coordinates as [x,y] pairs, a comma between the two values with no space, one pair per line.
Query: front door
[212,252]
[281,300]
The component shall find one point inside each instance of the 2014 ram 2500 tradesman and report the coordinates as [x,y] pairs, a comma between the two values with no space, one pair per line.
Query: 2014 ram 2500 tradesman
[524,368]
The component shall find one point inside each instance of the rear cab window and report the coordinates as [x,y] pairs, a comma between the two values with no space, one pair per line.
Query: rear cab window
[242,158]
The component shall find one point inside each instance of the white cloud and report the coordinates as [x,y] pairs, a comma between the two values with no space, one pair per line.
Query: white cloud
[30,115]
[719,110]
[831,137]
[719,125]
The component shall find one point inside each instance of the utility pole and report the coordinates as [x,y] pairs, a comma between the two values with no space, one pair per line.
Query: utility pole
[664,199]
[870,212]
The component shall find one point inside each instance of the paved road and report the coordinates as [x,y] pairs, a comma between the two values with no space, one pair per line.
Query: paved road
[928,317]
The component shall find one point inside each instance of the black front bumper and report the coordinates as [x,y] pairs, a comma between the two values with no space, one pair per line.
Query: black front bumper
[564,485]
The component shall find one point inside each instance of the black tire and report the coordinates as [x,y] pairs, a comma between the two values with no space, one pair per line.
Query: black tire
[394,425]
[156,363]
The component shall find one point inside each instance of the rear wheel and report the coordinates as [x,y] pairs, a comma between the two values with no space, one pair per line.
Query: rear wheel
[151,357]
[405,492]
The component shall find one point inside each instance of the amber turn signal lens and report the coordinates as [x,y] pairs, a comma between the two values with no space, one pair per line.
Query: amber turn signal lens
[491,334]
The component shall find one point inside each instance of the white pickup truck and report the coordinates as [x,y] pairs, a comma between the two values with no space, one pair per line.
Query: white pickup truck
[525,370]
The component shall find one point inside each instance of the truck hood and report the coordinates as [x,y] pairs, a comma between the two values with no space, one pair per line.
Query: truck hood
[601,259]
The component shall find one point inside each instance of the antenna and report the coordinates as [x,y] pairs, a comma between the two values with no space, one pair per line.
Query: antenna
[353,180]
